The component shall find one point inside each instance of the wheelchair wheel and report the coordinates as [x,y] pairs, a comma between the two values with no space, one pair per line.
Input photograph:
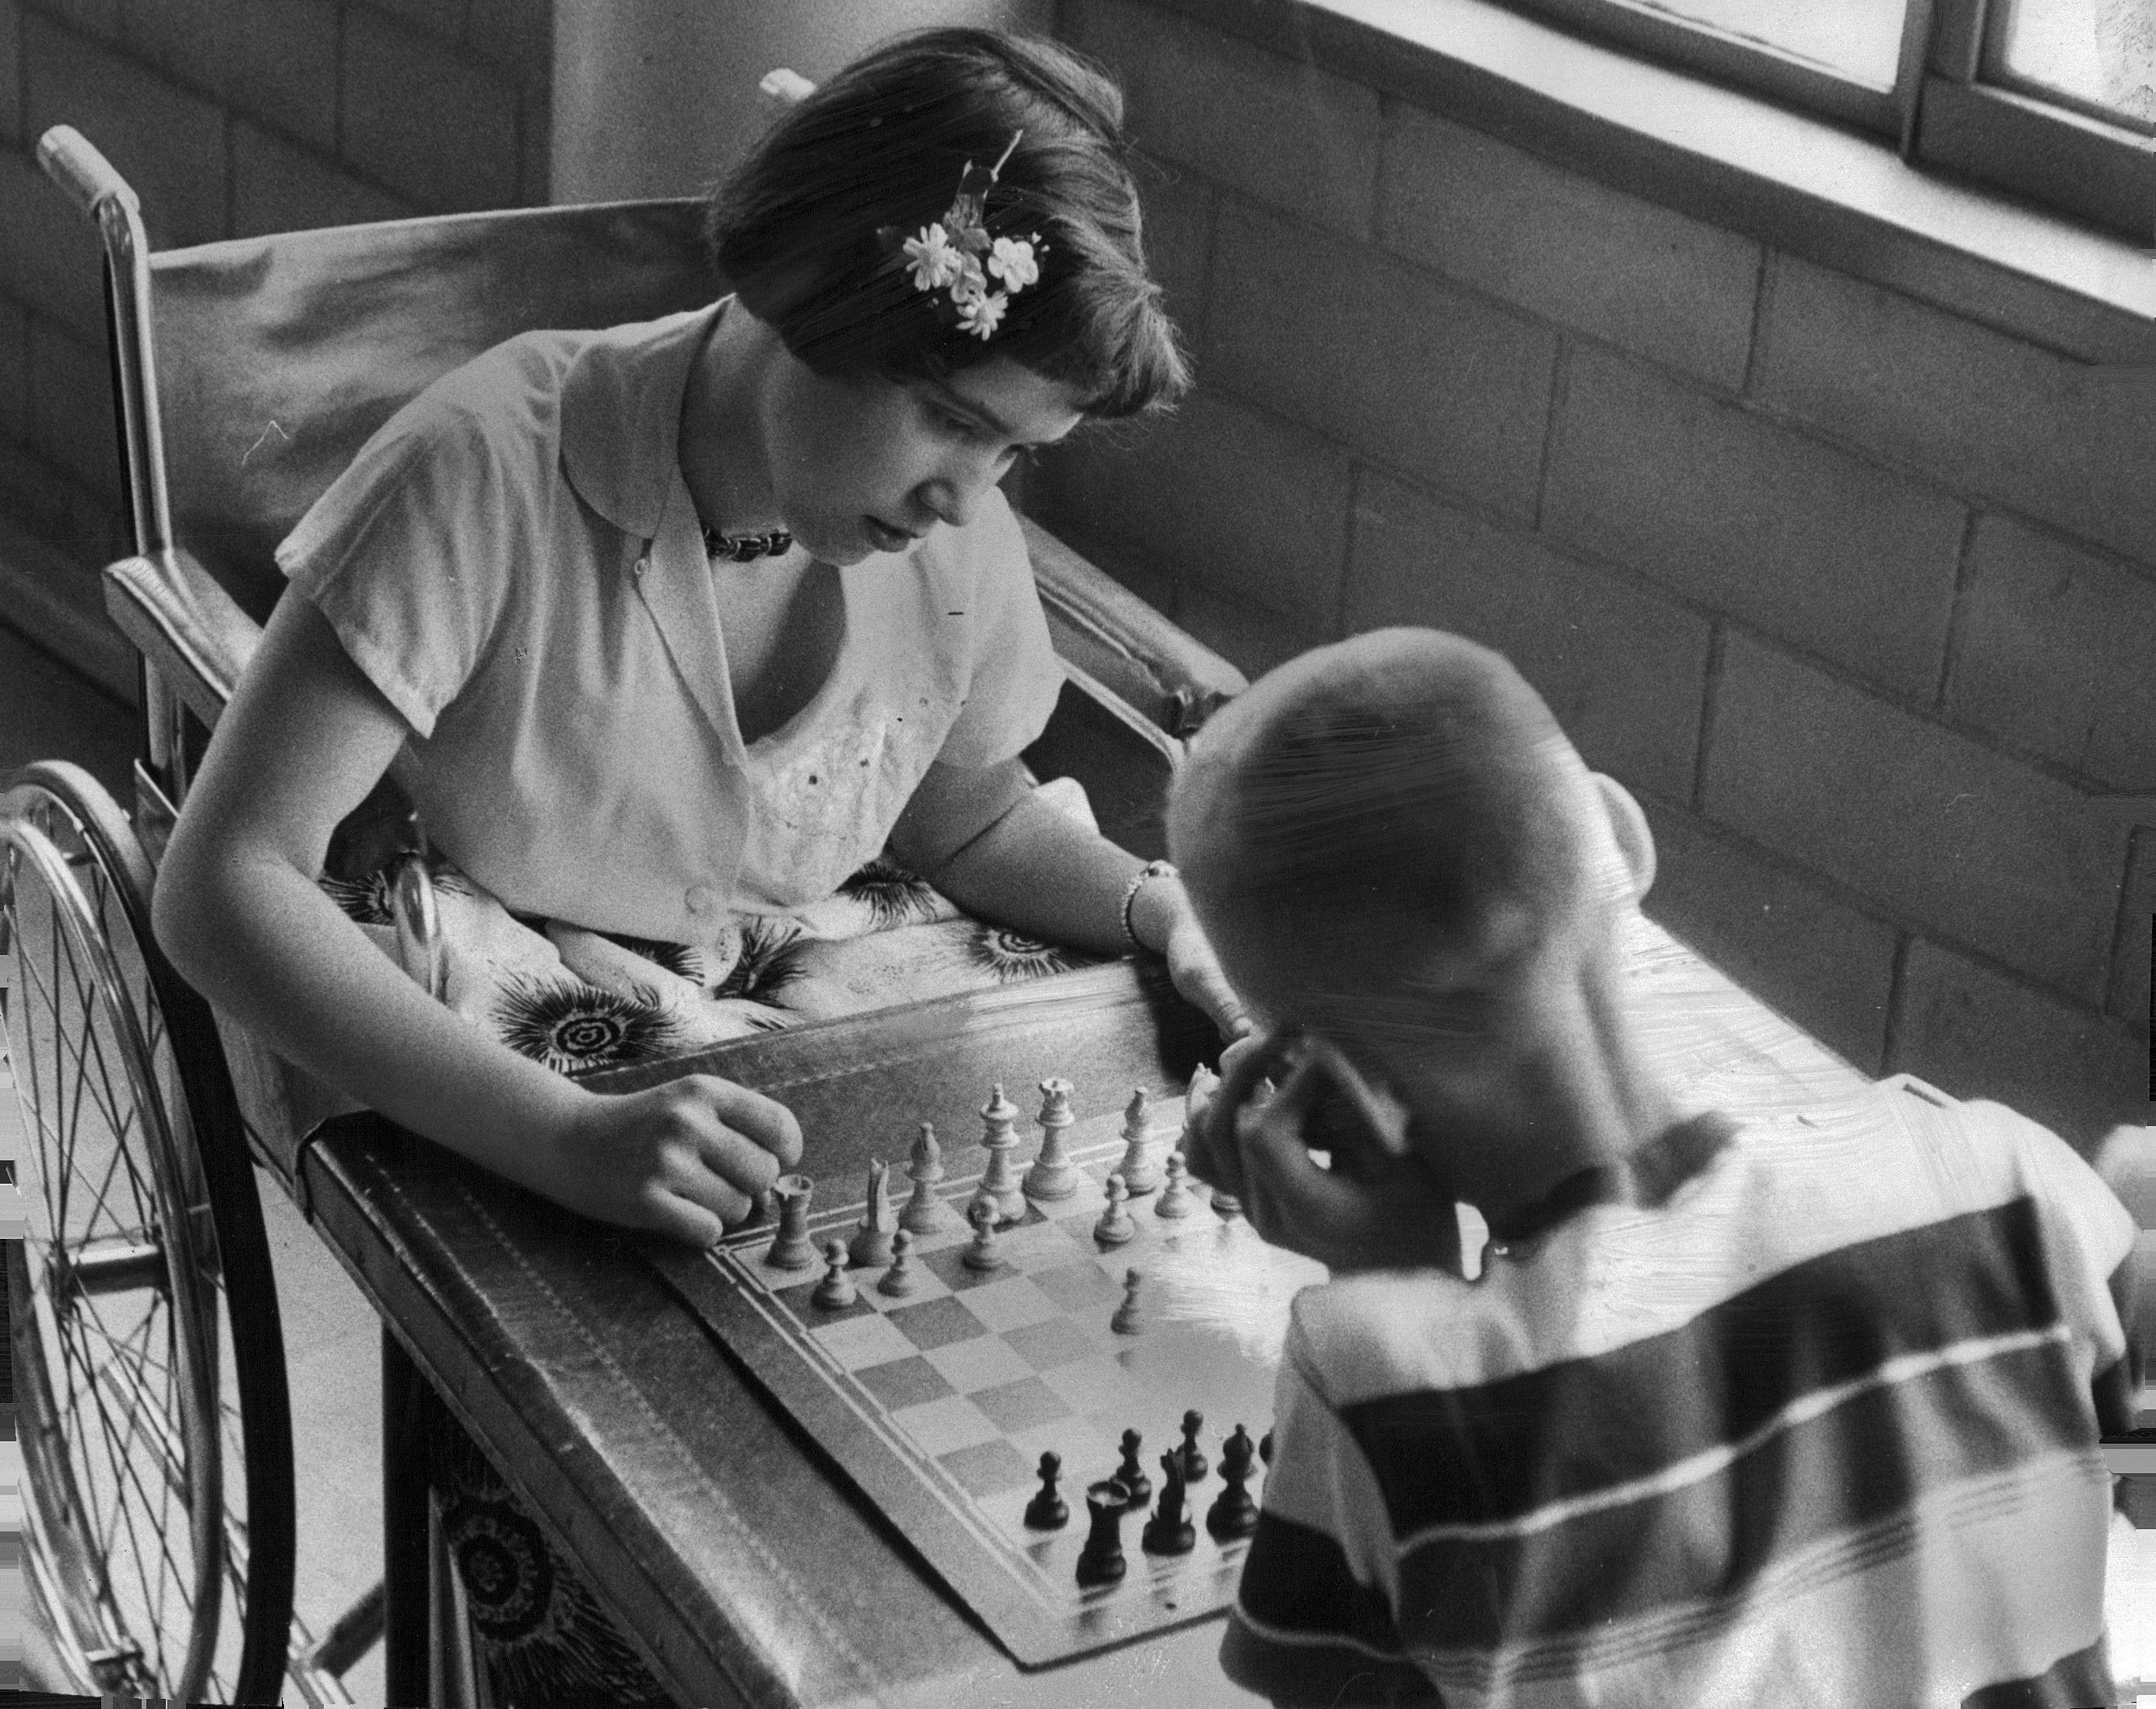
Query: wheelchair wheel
[151,1407]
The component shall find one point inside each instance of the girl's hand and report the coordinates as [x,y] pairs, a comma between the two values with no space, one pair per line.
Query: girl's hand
[687,1158]
[1168,926]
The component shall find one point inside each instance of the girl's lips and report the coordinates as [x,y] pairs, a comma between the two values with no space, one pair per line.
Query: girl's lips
[885,538]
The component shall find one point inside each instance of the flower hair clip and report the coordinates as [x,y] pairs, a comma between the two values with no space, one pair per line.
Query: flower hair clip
[956,255]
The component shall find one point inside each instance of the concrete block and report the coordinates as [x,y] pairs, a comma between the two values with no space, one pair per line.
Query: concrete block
[11,71]
[516,35]
[1940,830]
[1838,557]
[1249,637]
[2056,651]
[1623,670]
[1558,244]
[43,501]
[2068,444]
[1794,945]
[1286,134]
[2136,947]
[96,18]
[1975,1034]
[166,142]
[1179,211]
[48,260]
[279,187]
[1441,387]
[71,409]
[14,370]
[1220,493]
[274,59]
[431,123]
[444,19]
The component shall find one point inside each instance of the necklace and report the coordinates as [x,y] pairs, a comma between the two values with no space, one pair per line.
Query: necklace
[740,548]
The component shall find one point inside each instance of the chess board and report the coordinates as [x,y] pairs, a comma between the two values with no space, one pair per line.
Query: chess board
[939,1405]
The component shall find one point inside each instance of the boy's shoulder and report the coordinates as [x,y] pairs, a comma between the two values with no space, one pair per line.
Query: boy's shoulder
[1788,1194]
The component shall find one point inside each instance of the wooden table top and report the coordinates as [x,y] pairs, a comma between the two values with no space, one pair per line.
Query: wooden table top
[717,1532]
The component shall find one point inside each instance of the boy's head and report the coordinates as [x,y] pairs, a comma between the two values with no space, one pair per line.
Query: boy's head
[808,230]
[1390,842]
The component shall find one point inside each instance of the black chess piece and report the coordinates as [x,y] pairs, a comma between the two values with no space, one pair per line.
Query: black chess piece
[1192,1456]
[1232,1513]
[1266,1450]
[1130,1474]
[1100,1562]
[1048,1510]
[1169,1532]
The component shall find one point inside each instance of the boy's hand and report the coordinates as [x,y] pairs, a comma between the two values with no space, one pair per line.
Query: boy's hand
[1371,1210]
[687,1158]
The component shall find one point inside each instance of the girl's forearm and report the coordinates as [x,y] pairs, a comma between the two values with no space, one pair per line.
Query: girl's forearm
[263,943]
[1040,871]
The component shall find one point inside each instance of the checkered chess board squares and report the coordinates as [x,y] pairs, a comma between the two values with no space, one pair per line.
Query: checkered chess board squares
[983,1371]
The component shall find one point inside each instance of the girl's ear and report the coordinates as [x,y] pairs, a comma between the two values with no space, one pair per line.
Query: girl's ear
[1634,841]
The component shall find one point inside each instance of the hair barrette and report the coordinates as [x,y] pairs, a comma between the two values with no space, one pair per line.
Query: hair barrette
[957,257]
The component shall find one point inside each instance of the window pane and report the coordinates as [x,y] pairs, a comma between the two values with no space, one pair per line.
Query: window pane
[1854,38]
[2100,55]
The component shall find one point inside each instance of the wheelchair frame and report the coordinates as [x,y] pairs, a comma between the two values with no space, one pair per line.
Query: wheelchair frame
[192,640]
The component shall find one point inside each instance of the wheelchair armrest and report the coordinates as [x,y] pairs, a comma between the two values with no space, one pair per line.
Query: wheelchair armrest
[1122,643]
[184,624]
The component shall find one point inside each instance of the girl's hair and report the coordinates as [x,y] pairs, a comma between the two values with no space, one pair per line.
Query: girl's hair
[807,229]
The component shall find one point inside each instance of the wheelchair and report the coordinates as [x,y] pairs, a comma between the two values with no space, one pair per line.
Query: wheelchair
[147,1346]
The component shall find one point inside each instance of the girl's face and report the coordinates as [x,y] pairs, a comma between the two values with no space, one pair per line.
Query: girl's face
[863,466]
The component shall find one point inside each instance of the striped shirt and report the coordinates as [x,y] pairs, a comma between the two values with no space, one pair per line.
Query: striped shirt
[1818,1428]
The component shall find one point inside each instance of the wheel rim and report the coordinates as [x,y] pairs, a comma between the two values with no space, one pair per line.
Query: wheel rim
[116,1303]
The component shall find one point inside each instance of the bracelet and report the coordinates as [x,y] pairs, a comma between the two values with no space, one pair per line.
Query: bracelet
[1150,870]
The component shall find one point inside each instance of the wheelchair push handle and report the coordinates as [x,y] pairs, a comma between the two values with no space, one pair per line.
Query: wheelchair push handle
[72,161]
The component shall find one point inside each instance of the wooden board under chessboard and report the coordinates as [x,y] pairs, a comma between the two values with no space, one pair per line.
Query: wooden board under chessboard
[939,1403]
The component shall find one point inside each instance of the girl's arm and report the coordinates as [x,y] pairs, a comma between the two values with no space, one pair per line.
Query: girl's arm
[238,910]
[980,836]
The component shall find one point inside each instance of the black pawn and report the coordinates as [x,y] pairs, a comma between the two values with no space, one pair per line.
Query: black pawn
[1232,1513]
[1047,1510]
[1100,1562]
[1266,1450]
[1169,1532]
[1131,1475]
[1192,1456]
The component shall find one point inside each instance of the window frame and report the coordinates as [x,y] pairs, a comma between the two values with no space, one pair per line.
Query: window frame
[1942,112]
[2044,151]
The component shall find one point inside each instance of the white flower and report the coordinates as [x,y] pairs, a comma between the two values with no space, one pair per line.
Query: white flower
[935,263]
[980,315]
[1013,263]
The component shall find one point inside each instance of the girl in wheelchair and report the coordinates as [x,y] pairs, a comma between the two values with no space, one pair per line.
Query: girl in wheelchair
[670,630]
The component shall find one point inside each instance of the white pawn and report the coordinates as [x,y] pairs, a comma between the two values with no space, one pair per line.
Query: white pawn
[898,1281]
[981,1254]
[1115,1228]
[1139,1173]
[1177,1200]
[836,1290]
[925,1213]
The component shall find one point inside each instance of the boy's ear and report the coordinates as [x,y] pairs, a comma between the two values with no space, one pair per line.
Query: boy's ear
[1634,841]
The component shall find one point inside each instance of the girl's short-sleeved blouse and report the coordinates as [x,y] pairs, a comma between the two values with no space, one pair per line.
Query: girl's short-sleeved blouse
[514,560]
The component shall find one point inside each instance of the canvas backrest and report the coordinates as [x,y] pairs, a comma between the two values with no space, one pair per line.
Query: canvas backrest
[277,356]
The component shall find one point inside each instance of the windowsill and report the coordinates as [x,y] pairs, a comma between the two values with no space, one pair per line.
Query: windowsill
[1845,201]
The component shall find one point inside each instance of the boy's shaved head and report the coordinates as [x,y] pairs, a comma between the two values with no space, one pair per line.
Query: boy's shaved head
[1373,807]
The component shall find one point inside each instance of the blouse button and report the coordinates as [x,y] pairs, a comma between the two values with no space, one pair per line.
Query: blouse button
[642,565]
[702,899]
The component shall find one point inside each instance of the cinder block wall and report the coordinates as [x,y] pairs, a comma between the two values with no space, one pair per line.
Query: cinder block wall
[1855,595]
[231,118]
